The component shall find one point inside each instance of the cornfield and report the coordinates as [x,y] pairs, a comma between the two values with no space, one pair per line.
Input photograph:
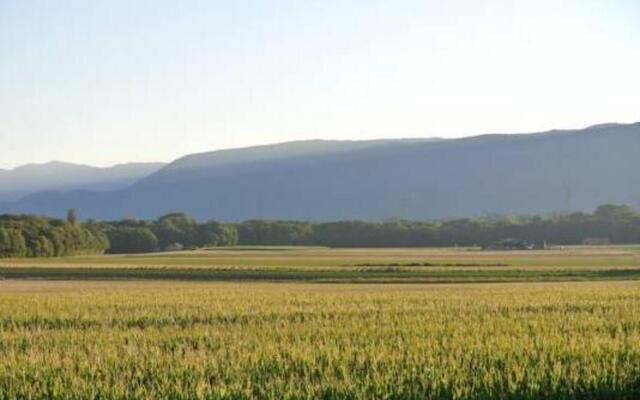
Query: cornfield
[314,341]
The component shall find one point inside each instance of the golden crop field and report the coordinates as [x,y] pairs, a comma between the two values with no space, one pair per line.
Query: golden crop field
[242,340]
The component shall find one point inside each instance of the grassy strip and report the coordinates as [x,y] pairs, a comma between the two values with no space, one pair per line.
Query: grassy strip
[388,275]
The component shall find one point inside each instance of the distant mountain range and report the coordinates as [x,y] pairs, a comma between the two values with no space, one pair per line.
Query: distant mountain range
[372,180]
[61,176]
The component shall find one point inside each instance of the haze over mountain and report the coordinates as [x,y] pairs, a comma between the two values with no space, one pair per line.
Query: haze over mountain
[416,179]
[62,176]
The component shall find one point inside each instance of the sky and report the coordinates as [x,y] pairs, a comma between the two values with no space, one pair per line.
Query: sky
[105,82]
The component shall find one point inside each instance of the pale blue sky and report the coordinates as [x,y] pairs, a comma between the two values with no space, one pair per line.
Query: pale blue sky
[102,82]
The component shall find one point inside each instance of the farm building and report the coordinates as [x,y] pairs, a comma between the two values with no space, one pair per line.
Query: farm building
[596,241]
[511,244]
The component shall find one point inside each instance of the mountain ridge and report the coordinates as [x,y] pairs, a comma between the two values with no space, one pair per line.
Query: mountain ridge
[35,178]
[544,172]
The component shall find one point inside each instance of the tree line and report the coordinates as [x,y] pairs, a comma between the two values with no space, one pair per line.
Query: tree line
[176,231]
[33,236]
[37,236]
[615,223]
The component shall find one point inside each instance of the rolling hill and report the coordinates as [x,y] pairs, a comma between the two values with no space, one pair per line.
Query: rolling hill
[60,176]
[416,179]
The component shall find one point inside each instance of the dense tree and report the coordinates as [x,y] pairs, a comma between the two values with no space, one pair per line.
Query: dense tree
[620,224]
[132,240]
[12,243]
[257,232]
[175,231]
[34,236]
[72,216]
[176,228]
[217,234]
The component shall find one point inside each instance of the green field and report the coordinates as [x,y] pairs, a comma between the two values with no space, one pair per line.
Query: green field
[315,323]
[342,265]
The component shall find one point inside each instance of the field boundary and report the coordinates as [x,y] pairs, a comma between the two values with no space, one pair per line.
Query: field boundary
[320,276]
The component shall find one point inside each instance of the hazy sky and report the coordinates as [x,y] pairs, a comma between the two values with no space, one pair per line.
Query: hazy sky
[102,82]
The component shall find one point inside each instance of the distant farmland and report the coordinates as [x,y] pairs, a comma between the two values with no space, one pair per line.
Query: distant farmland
[311,264]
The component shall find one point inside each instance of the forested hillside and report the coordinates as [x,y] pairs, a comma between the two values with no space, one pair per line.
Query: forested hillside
[555,171]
